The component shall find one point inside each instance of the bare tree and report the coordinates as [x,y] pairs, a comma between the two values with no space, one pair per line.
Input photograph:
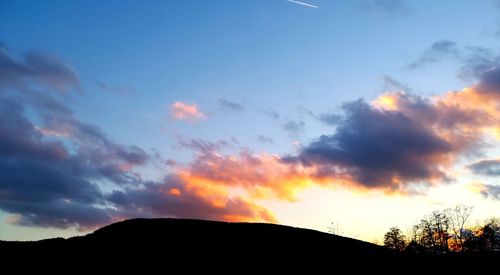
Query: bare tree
[458,217]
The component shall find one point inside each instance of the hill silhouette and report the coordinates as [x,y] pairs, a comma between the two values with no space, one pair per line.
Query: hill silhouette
[200,238]
[192,242]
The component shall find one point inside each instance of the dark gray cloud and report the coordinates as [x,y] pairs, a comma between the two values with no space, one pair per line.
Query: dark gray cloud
[51,172]
[491,191]
[58,214]
[389,7]
[439,51]
[294,128]
[36,175]
[227,105]
[488,167]
[375,147]
[489,84]
[42,181]
[264,140]
[35,68]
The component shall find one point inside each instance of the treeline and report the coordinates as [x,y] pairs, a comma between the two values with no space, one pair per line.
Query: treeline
[447,231]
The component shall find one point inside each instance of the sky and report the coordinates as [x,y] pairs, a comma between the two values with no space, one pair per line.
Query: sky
[368,113]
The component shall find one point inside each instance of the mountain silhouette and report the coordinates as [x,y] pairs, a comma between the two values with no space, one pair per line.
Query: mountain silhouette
[200,238]
[192,242]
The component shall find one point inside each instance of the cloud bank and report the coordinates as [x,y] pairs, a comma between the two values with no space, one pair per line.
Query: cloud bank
[59,171]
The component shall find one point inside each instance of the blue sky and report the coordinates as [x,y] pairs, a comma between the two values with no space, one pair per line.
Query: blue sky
[135,59]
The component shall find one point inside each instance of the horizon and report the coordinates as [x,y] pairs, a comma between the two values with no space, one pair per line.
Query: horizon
[367,114]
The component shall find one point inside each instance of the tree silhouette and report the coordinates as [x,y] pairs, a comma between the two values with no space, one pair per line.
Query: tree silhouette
[458,217]
[488,235]
[432,232]
[394,239]
[447,231]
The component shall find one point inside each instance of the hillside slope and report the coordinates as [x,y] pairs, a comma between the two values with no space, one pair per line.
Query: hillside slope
[179,238]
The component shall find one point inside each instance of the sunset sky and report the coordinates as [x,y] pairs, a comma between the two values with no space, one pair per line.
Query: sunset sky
[366,113]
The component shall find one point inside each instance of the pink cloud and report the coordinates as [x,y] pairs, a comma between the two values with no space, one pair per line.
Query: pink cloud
[182,111]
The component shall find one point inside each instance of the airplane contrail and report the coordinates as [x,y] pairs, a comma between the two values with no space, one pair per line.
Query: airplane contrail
[303,4]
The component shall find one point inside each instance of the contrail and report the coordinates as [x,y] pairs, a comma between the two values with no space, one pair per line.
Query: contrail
[303,4]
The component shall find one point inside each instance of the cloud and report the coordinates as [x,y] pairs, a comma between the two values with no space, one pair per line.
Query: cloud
[474,61]
[271,113]
[389,7]
[125,90]
[392,85]
[399,138]
[170,162]
[35,68]
[330,119]
[202,145]
[45,184]
[489,85]
[439,50]
[53,166]
[48,183]
[183,111]
[264,140]
[294,128]
[37,175]
[52,173]
[231,106]
[258,175]
[489,190]
[305,111]
[378,148]
[488,167]
[176,198]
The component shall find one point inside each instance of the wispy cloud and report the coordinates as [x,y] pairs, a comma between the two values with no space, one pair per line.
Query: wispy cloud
[390,84]
[183,111]
[389,7]
[474,61]
[202,145]
[303,4]
[271,113]
[115,89]
[36,68]
[263,139]
[294,128]
[439,50]
[227,105]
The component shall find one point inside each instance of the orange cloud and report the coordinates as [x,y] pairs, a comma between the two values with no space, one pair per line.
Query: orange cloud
[259,175]
[396,140]
[432,133]
[183,111]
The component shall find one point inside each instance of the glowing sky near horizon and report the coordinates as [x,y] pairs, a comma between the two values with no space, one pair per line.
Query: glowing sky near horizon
[368,113]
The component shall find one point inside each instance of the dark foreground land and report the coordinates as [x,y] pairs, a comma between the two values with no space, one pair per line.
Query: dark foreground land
[217,245]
